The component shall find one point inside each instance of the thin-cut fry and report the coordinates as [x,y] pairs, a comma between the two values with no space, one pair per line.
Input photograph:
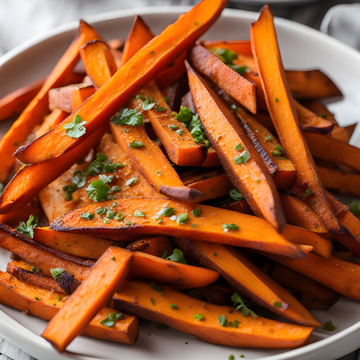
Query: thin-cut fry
[51,120]
[88,299]
[251,332]
[213,224]
[240,160]
[249,280]
[38,107]
[110,97]
[282,111]
[156,245]
[210,66]
[45,304]
[242,47]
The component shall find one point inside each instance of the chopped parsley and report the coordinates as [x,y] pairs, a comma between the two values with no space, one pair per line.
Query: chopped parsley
[136,144]
[278,305]
[184,116]
[127,117]
[98,189]
[177,256]
[230,227]
[238,147]
[162,327]
[164,255]
[79,179]
[174,306]
[28,228]
[268,138]
[75,128]
[196,212]
[113,258]
[166,211]
[160,108]
[225,55]
[139,97]
[101,211]
[69,189]
[119,216]
[110,214]
[87,216]
[114,204]
[111,319]
[56,273]
[239,69]
[231,357]
[36,298]
[167,100]
[193,226]
[102,163]
[115,188]
[132,181]
[236,195]
[182,219]
[199,317]
[234,108]
[180,132]
[324,116]
[173,127]
[243,158]
[158,173]
[239,303]
[58,298]
[147,104]
[129,223]
[1,187]
[276,153]
[329,326]
[276,99]
[215,254]
[34,269]
[139,213]
[152,52]
[354,207]
[155,286]
[223,320]
[308,192]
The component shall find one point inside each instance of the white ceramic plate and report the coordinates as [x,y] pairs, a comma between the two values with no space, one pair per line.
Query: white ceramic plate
[274,2]
[302,48]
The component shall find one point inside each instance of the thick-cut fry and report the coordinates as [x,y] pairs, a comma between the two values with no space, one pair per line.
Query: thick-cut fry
[251,332]
[300,214]
[98,61]
[294,280]
[213,224]
[32,178]
[343,183]
[85,246]
[241,162]
[157,246]
[329,149]
[242,47]
[38,107]
[213,184]
[69,98]
[150,60]
[285,174]
[45,304]
[249,280]
[88,299]
[340,276]
[210,66]
[51,120]
[283,114]
[14,103]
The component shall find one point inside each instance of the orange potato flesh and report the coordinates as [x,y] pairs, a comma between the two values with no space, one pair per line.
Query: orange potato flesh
[249,280]
[253,232]
[242,47]
[38,107]
[150,60]
[88,299]
[22,296]
[133,297]
[51,120]
[252,178]
[283,114]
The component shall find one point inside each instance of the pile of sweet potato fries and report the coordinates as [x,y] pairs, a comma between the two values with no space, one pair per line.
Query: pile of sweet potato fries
[184,183]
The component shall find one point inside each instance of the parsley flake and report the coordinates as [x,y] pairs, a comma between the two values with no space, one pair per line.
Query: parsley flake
[324,116]
[34,269]
[79,179]
[329,326]
[166,211]
[193,226]
[182,219]
[199,317]
[308,192]
[155,286]
[236,195]
[196,212]
[58,298]
[230,227]
[136,144]
[268,138]
[28,228]
[139,213]
[238,147]
[162,327]
[277,304]
[75,128]
[177,256]
[102,163]
[242,158]
[174,306]
[87,216]
[98,189]
[127,117]
[69,189]
[56,273]
[173,127]
[354,207]
[160,108]
[223,320]
[111,319]
[147,104]
[132,181]
[239,303]
[36,298]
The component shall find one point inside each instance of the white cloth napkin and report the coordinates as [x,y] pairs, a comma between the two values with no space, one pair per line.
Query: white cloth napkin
[343,23]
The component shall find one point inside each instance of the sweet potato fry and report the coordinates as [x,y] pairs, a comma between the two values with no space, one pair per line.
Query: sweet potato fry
[210,66]
[282,111]
[241,162]
[213,184]
[341,182]
[32,178]
[294,280]
[51,120]
[340,276]
[38,107]
[251,332]
[242,47]
[157,246]
[98,61]
[69,98]
[45,304]
[110,97]
[85,246]
[249,280]
[300,214]
[88,299]
[329,149]
[174,93]
[14,103]
[213,224]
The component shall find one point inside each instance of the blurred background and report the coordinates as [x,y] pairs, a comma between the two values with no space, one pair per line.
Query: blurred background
[340,19]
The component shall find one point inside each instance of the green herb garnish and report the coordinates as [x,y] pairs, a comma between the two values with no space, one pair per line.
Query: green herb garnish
[182,219]
[230,227]
[239,303]
[177,256]
[98,189]
[56,273]
[236,195]
[196,212]
[75,128]
[198,317]
[174,306]
[132,181]
[136,144]
[28,228]
[87,216]
[223,320]
[329,326]
[139,213]
[166,211]
[155,286]
[127,117]
[242,158]
[111,319]
[147,104]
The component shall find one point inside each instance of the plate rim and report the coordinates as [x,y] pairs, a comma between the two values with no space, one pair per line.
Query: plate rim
[10,329]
